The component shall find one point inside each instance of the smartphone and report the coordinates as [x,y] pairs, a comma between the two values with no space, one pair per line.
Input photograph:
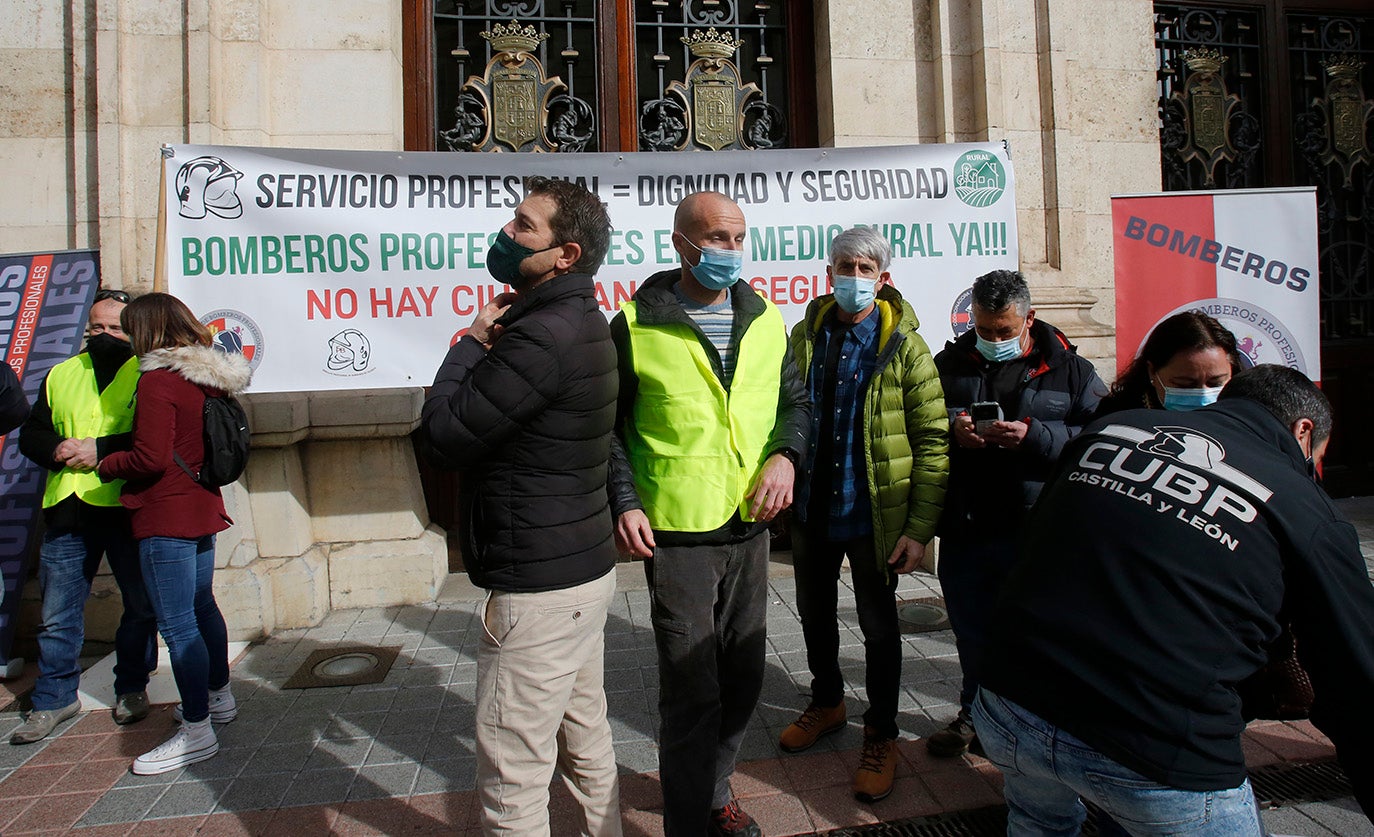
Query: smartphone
[984,413]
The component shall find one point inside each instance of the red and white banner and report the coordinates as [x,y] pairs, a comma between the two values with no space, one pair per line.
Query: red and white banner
[1245,256]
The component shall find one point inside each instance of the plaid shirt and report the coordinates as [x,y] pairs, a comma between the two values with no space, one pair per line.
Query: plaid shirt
[841,475]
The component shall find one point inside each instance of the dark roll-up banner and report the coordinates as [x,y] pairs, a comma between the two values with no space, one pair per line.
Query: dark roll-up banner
[44,302]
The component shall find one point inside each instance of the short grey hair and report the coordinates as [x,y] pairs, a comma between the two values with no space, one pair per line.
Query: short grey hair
[862,243]
[994,291]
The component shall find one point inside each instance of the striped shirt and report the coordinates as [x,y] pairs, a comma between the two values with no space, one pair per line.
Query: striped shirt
[716,322]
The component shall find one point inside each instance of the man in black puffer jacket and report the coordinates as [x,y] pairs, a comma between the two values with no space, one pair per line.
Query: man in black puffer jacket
[524,406]
[1046,393]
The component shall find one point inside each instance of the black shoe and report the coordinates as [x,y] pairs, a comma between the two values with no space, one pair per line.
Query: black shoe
[953,740]
[731,821]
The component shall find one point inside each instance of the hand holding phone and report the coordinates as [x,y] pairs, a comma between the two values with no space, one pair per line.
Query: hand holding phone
[984,414]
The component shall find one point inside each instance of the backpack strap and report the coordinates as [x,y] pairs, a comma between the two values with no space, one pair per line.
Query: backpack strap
[182,462]
[195,478]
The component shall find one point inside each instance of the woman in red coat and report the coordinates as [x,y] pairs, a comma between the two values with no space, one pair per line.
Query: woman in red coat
[174,517]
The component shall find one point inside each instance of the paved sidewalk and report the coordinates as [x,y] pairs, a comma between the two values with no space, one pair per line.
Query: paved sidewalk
[397,757]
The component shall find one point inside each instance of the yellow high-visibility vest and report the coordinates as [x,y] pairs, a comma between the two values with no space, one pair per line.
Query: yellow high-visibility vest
[80,411]
[695,447]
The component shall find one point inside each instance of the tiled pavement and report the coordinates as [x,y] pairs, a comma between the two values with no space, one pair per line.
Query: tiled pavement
[397,757]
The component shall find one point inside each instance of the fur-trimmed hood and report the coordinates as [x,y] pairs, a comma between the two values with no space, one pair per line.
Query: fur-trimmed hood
[202,365]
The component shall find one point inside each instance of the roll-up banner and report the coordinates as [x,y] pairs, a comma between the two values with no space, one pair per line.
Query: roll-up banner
[357,270]
[1245,256]
[44,301]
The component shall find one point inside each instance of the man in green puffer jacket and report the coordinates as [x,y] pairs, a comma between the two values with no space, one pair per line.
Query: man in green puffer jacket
[874,488]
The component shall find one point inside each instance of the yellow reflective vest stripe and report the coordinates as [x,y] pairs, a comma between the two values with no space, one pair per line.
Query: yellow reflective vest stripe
[695,447]
[80,411]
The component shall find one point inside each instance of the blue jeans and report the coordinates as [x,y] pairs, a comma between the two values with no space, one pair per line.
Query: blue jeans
[971,575]
[1048,772]
[180,574]
[67,564]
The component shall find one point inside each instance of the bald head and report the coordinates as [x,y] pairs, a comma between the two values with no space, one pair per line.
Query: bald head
[706,220]
[709,219]
[702,207]
[104,319]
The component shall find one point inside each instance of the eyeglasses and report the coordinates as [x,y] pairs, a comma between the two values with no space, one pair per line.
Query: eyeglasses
[111,293]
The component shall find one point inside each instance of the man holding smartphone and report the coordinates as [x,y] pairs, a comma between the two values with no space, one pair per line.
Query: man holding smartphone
[1026,369]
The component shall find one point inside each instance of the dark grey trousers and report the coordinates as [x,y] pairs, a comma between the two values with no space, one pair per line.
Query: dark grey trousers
[710,617]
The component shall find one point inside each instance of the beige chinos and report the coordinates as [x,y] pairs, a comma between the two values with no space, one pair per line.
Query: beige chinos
[541,700]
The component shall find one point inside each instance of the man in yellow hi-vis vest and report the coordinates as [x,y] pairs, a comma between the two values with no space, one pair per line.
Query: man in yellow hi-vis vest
[85,409]
[711,422]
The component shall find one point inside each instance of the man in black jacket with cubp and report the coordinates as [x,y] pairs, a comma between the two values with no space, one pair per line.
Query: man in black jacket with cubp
[1151,579]
[524,406]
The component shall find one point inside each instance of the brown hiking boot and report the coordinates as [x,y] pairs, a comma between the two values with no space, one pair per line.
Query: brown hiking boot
[953,740]
[877,766]
[813,723]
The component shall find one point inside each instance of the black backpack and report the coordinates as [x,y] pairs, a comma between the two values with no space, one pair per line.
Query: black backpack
[226,438]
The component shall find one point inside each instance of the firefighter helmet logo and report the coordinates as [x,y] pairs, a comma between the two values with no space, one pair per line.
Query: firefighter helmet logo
[208,186]
[349,352]
[1187,446]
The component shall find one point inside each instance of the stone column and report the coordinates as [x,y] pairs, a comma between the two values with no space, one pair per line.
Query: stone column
[329,514]
[1068,83]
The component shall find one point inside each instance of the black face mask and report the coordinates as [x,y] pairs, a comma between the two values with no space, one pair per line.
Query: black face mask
[109,349]
[504,259]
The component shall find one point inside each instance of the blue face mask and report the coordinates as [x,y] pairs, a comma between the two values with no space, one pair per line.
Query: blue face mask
[999,351]
[718,269]
[1179,398]
[854,293]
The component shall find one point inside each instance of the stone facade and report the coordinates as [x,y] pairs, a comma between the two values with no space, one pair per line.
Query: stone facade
[330,513]
[1069,84]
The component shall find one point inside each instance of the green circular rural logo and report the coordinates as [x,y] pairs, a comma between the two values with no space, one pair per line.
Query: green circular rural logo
[979,179]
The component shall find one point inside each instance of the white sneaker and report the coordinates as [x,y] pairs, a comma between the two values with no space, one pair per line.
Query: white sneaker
[223,707]
[192,742]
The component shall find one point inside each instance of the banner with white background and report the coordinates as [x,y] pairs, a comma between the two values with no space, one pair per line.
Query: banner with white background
[358,269]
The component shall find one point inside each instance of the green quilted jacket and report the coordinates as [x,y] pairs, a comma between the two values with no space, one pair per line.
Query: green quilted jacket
[905,426]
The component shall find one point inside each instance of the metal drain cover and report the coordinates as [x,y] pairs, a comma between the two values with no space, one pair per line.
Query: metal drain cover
[921,615]
[977,822]
[354,665]
[1279,784]
[980,822]
[1293,783]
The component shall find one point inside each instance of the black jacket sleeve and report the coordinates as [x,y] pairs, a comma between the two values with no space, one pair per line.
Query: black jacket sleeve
[793,424]
[14,407]
[620,480]
[1331,604]
[38,440]
[1046,439]
[482,399]
[105,445]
